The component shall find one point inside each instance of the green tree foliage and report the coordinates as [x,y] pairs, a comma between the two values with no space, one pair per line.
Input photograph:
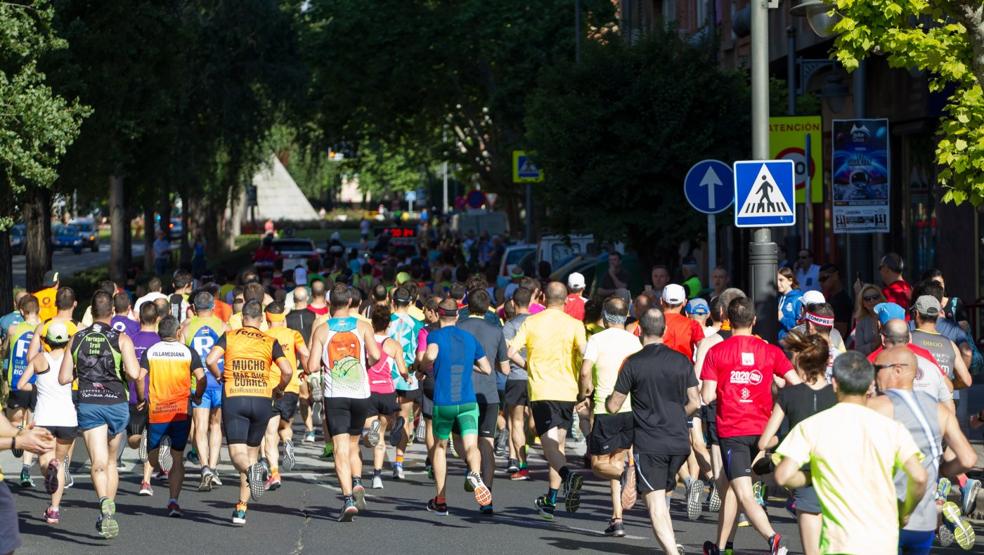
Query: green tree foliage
[617,134]
[945,39]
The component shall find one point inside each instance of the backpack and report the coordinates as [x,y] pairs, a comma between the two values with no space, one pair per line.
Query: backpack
[976,359]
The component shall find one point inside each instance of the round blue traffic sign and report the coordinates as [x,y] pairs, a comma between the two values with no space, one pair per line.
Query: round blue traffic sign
[709,186]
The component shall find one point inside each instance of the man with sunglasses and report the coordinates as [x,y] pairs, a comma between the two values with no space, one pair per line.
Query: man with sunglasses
[833,290]
[807,273]
[894,332]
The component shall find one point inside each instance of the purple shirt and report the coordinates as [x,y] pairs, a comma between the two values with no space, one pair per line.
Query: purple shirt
[142,340]
[125,325]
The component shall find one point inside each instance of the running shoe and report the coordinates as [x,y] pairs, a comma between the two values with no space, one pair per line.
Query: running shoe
[452,450]
[377,481]
[711,548]
[743,521]
[544,507]
[359,493]
[437,508]
[969,495]
[349,510]
[487,510]
[397,432]
[266,464]
[758,488]
[164,454]
[289,458]
[681,550]
[615,528]
[193,457]
[174,510]
[963,532]
[107,525]
[572,491]
[513,466]
[629,493]
[51,516]
[398,473]
[328,452]
[474,484]
[372,436]
[309,437]
[25,478]
[943,487]
[430,472]
[256,478]
[206,482]
[146,490]
[694,493]
[141,449]
[239,514]
[944,535]
[421,430]
[714,501]
[215,478]
[521,474]
[51,477]
[775,545]
[160,475]
[272,482]
[69,479]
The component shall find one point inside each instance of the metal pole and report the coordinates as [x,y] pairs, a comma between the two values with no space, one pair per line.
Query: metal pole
[577,31]
[529,213]
[763,253]
[712,242]
[791,71]
[861,248]
[444,205]
[807,194]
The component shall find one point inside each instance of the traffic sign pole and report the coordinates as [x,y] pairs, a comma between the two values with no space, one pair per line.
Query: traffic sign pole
[712,242]
[529,213]
[701,188]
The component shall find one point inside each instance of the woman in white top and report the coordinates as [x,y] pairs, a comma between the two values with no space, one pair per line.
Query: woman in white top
[54,411]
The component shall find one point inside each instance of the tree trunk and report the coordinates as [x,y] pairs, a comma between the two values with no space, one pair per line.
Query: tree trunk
[37,216]
[148,238]
[118,230]
[185,232]
[6,273]
[971,14]
[237,200]
[212,216]
[129,212]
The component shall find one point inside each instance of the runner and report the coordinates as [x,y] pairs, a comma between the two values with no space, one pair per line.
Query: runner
[517,398]
[102,360]
[574,306]
[682,333]
[137,427]
[47,295]
[426,378]
[852,470]
[21,401]
[122,322]
[248,357]
[611,433]
[493,344]
[55,412]
[384,410]
[738,373]
[279,427]
[13,317]
[302,320]
[932,425]
[926,310]
[343,349]
[554,343]
[797,403]
[404,329]
[169,366]
[452,353]
[201,332]
[663,391]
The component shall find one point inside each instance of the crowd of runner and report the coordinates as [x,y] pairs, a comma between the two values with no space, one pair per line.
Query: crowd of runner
[850,416]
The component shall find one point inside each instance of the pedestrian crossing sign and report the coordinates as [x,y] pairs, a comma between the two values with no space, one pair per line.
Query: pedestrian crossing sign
[764,193]
[524,170]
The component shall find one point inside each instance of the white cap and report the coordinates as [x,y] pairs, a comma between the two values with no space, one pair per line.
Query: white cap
[575,281]
[674,294]
[812,297]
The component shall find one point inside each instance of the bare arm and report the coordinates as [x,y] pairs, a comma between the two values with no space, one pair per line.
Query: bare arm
[141,390]
[587,384]
[212,361]
[130,363]
[693,401]
[200,384]
[430,355]
[953,437]
[788,474]
[372,348]
[314,356]
[615,401]
[792,378]
[483,365]
[504,367]
[23,383]
[302,356]
[768,437]
[67,371]
[960,371]
[285,374]
[914,489]
[35,347]
[708,391]
[394,351]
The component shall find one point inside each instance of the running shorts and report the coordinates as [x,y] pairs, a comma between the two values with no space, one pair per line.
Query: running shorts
[286,406]
[63,434]
[446,416]
[552,414]
[738,453]
[244,419]
[115,417]
[517,393]
[19,399]
[177,431]
[806,500]
[657,472]
[610,433]
[138,421]
[427,408]
[409,396]
[212,399]
[346,415]
[382,403]
[709,416]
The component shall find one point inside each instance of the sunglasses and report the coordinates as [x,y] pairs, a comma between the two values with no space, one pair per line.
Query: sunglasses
[870,298]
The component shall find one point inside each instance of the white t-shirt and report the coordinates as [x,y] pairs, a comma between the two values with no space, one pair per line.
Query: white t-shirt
[607,350]
[151,297]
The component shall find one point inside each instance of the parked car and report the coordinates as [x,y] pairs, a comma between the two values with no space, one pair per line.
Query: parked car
[66,236]
[88,232]
[18,240]
[175,227]
[297,252]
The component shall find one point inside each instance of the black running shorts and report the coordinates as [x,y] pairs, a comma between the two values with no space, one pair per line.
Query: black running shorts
[738,453]
[138,421]
[382,403]
[657,472]
[610,433]
[345,415]
[552,414]
[245,419]
[517,393]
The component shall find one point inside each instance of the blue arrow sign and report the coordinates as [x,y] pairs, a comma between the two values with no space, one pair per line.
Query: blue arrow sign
[764,193]
[708,186]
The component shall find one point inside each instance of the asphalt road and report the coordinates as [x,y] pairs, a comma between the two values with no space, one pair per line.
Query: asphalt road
[68,263]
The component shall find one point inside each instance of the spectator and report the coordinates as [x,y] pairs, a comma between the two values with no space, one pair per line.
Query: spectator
[897,290]
[833,290]
[865,334]
[615,278]
[807,273]
[790,301]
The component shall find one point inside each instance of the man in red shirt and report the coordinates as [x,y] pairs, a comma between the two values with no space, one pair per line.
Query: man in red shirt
[738,373]
[574,305]
[682,333]
[319,301]
[897,290]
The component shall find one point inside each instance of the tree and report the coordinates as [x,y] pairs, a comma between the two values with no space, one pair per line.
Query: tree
[616,134]
[36,125]
[945,39]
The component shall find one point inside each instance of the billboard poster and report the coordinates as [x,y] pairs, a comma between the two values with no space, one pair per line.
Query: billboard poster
[860,176]
[787,139]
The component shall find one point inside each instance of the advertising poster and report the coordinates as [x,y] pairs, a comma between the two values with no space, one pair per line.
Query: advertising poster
[860,176]
[787,139]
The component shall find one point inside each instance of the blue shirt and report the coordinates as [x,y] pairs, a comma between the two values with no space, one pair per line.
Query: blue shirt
[457,352]
[8,320]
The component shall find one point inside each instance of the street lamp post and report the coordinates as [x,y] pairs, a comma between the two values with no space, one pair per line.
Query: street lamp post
[763,253]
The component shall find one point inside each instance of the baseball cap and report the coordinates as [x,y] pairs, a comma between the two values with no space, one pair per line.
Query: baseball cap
[57,333]
[515,272]
[698,307]
[813,297]
[889,311]
[674,294]
[401,295]
[575,281]
[928,305]
[50,278]
[402,278]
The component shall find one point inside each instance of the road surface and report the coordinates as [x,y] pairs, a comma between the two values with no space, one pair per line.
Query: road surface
[68,263]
